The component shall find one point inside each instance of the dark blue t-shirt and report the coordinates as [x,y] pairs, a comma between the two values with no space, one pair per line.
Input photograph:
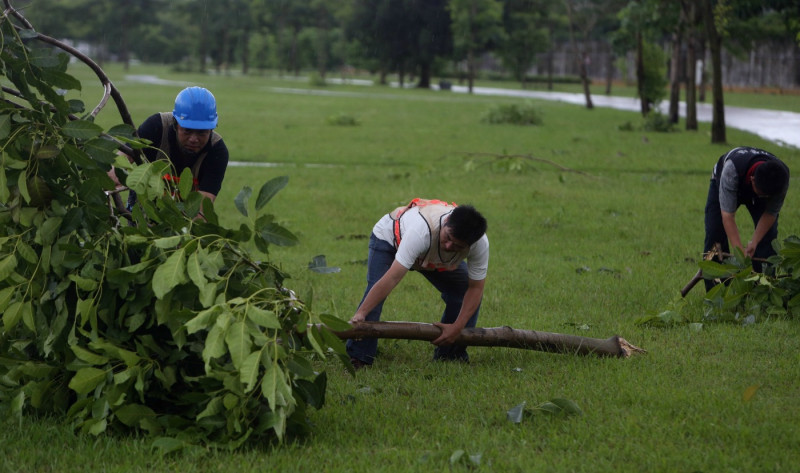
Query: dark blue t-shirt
[212,169]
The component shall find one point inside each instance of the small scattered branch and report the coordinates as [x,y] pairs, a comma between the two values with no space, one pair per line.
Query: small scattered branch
[498,157]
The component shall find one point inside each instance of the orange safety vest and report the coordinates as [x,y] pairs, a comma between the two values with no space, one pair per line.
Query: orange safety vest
[434,259]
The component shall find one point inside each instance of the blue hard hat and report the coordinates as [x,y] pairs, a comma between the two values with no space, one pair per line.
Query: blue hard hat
[196,108]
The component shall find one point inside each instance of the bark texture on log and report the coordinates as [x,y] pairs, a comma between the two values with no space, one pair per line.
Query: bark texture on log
[497,337]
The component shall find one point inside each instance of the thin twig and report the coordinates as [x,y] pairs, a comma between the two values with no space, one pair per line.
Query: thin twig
[531,158]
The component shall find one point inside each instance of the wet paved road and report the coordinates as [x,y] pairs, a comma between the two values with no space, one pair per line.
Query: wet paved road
[777,126]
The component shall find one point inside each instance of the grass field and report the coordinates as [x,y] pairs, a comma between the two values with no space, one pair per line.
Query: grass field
[610,234]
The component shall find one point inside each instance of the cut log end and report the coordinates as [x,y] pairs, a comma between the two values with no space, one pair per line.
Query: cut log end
[628,349]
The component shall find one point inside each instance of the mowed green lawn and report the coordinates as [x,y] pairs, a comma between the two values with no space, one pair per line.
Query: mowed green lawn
[605,232]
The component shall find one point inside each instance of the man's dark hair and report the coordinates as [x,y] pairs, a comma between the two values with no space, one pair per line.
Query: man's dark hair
[466,224]
[771,177]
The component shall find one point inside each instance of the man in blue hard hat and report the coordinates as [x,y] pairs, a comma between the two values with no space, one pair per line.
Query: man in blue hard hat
[187,138]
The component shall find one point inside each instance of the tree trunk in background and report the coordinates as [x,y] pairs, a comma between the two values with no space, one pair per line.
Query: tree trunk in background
[715,47]
[584,59]
[691,66]
[497,337]
[701,95]
[640,73]
[609,70]
[675,76]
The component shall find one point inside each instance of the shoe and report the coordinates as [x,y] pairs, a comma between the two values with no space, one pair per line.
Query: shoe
[358,364]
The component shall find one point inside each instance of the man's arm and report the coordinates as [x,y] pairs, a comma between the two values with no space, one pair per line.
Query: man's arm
[729,222]
[380,290]
[766,222]
[472,299]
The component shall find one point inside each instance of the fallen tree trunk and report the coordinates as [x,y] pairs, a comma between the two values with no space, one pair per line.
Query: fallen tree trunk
[496,337]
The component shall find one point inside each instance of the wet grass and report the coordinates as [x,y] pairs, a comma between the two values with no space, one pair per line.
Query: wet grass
[585,253]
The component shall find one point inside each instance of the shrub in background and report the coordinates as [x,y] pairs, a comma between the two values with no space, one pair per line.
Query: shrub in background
[515,114]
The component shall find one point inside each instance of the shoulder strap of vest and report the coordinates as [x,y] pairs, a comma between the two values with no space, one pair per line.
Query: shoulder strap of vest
[215,137]
[167,122]
[417,202]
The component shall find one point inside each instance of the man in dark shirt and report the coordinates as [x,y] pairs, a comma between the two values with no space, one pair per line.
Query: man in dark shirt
[756,179]
[187,138]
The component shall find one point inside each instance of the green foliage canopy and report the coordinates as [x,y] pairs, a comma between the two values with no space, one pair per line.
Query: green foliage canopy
[161,322]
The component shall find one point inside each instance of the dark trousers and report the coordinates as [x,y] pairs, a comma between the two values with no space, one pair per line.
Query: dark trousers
[451,284]
[715,231]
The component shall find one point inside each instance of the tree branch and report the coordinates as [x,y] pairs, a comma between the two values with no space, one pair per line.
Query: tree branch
[497,337]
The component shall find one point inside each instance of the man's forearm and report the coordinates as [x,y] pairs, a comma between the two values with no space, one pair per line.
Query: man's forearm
[731,230]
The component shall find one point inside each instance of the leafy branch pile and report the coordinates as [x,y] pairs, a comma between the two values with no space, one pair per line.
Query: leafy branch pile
[744,296]
[159,322]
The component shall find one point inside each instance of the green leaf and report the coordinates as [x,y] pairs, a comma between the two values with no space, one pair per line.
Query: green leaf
[241,200]
[88,356]
[48,232]
[195,271]
[168,242]
[167,445]
[169,274]
[239,343]
[86,379]
[5,194]
[567,406]
[102,150]
[269,190]
[248,373]
[261,317]
[185,183]
[84,284]
[12,315]
[713,270]
[202,320]
[5,297]
[5,126]
[27,253]
[277,235]
[334,323]
[7,266]
[132,414]
[215,345]
[81,130]
[17,403]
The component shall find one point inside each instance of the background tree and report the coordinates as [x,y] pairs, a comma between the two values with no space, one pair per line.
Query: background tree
[637,32]
[714,15]
[430,36]
[690,16]
[582,15]
[476,27]
[526,35]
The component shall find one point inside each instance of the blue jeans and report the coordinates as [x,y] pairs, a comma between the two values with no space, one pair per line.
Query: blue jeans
[715,231]
[451,284]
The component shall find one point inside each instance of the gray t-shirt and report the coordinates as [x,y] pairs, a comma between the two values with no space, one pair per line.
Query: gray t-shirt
[729,188]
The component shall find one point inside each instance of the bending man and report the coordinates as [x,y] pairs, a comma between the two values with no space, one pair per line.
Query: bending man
[433,238]
[756,179]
